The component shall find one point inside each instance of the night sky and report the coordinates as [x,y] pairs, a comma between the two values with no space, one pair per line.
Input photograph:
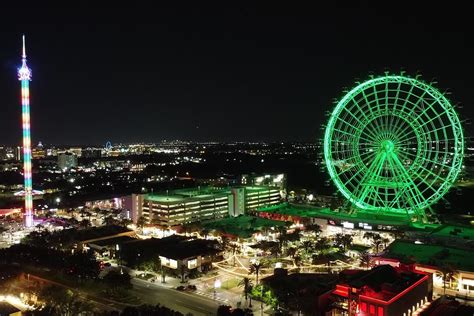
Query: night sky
[200,73]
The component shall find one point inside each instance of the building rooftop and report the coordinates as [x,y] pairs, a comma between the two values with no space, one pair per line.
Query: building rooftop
[383,282]
[8,309]
[466,233]
[293,210]
[432,255]
[185,195]
[172,247]
[97,232]
[258,188]
[190,248]
[327,213]
[113,241]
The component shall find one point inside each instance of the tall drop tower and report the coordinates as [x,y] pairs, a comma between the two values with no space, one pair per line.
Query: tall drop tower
[24,75]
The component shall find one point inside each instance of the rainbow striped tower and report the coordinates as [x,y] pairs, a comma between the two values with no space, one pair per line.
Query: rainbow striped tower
[24,75]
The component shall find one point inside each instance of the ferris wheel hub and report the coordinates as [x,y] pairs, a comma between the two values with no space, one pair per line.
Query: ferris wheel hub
[387,146]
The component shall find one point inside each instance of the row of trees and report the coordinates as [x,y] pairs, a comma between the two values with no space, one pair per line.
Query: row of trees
[79,265]
[58,301]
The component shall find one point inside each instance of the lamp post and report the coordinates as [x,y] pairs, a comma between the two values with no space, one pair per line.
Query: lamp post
[217,285]
[117,248]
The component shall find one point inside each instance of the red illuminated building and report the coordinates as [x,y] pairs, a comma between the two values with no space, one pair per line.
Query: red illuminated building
[383,291]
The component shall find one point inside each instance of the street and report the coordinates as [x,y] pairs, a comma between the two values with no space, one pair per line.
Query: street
[183,302]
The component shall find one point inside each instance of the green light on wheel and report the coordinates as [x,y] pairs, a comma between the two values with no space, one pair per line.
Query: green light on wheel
[393,144]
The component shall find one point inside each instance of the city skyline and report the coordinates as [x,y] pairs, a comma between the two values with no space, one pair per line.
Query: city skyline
[265,74]
[205,159]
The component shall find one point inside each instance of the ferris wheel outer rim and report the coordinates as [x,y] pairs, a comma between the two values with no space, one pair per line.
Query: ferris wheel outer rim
[458,150]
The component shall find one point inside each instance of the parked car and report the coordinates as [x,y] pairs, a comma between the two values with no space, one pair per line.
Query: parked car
[191,287]
[181,288]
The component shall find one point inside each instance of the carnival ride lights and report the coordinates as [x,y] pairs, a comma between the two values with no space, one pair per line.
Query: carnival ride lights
[394,144]
[24,75]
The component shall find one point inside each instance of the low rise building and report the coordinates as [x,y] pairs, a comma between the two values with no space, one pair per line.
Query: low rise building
[182,206]
[382,291]
[437,260]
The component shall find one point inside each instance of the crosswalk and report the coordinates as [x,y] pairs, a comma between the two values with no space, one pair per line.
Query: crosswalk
[210,295]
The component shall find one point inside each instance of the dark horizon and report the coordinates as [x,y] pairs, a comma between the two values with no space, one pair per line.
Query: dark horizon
[217,73]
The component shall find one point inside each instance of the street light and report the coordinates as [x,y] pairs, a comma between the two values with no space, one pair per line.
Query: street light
[117,248]
[217,285]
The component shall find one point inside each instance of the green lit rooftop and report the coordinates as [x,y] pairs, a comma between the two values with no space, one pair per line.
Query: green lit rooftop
[258,188]
[326,213]
[432,255]
[293,210]
[466,233]
[185,195]
[196,193]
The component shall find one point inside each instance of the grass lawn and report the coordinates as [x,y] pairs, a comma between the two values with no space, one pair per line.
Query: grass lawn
[230,284]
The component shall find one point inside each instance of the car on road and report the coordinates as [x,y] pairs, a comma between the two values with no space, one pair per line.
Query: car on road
[191,287]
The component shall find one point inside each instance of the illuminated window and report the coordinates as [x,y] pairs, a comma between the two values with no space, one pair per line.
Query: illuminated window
[380,311]
[372,309]
[363,307]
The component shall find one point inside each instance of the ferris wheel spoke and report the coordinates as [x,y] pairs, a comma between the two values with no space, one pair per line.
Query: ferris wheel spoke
[373,174]
[344,132]
[403,106]
[368,105]
[353,128]
[436,176]
[399,189]
[411,110]
[367,173]
[435,162]
[422,180]
[425,110]
[407,137]
[438,115]
[413,188]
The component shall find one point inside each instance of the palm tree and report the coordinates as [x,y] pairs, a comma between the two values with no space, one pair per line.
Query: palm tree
[447,274]
[343,240]
[377,241]
[205,232]
[247,284]
[364,259]
[141,222]
[315,228]
[385,242]
[298,261]
[225,243]
[235,249]
[291,252]
[40,227]
[369,235]
[322,244]
[307,245]
[282,237]
[85,223]
[125,222]
[255,267]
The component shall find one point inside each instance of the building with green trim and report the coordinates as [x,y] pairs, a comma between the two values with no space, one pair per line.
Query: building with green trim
[177,207]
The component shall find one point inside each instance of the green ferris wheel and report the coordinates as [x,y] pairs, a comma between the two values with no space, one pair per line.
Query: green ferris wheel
[394,144]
